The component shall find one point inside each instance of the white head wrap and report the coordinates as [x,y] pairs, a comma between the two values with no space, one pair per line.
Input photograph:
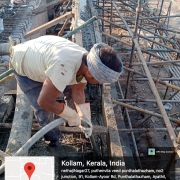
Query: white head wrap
[98,70]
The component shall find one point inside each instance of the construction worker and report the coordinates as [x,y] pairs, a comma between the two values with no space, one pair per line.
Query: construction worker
[45,67]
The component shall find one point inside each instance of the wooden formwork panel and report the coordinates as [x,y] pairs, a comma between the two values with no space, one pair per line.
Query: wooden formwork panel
[115,147]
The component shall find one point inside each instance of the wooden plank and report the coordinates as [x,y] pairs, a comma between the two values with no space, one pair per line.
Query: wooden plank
[79,6]
[69,130]
[116,149]
[7,84]
[11,92]
[60,33]
[22,123]
[47,6]
[6,107]
[48,24]
[95,23]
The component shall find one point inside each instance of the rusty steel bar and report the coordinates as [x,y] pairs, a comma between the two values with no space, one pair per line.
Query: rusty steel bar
[130,125]
[147,100]
[127,43]
[140,130]
[154,79]
[110,27]
[176,121]
[146,79]
[151,82]
[138,9]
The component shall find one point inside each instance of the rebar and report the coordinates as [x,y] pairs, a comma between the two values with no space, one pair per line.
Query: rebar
[138,9]
[177,121]
[147,100]
[132,134]
[154,79]
[151,82]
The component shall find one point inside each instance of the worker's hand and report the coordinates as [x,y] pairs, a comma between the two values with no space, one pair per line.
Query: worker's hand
[85,116]
[71,116]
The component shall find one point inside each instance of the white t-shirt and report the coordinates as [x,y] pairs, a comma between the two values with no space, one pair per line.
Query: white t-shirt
[49,56]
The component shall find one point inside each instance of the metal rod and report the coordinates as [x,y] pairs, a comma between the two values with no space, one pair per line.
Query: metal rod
[177,121]
[167,89]
[5,74]
[144,37]
[147,100]
[140,130]
[110,27]
[154,79]
[145,79]
[143,50]
[138,9]
[154,17]
[130,125]
[94,18]
[151,82]
[152,50]
[169,11]
[157,63]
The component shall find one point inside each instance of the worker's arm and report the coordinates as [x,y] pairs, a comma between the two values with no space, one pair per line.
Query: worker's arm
[83,108]
[47,100]
[47,97]
[78,93]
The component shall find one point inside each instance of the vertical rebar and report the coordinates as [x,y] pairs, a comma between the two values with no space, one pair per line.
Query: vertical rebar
[110,26]
[168,14]
[166,89]
[130,126]
[138,9]
[156,29]
[103,17]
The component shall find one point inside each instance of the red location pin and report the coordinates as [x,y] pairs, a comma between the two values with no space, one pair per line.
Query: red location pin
[29,169]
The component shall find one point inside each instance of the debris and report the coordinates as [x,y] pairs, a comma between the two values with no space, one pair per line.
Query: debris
[168,106]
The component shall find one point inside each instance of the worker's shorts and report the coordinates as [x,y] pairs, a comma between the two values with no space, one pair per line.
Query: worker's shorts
[32,90]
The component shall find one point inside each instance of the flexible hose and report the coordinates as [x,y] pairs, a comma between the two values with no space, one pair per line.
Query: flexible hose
[35,138]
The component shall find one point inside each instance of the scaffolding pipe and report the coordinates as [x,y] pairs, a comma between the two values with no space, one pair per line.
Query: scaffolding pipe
[151,82]
[7,73]
[94,18]
[145,79]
